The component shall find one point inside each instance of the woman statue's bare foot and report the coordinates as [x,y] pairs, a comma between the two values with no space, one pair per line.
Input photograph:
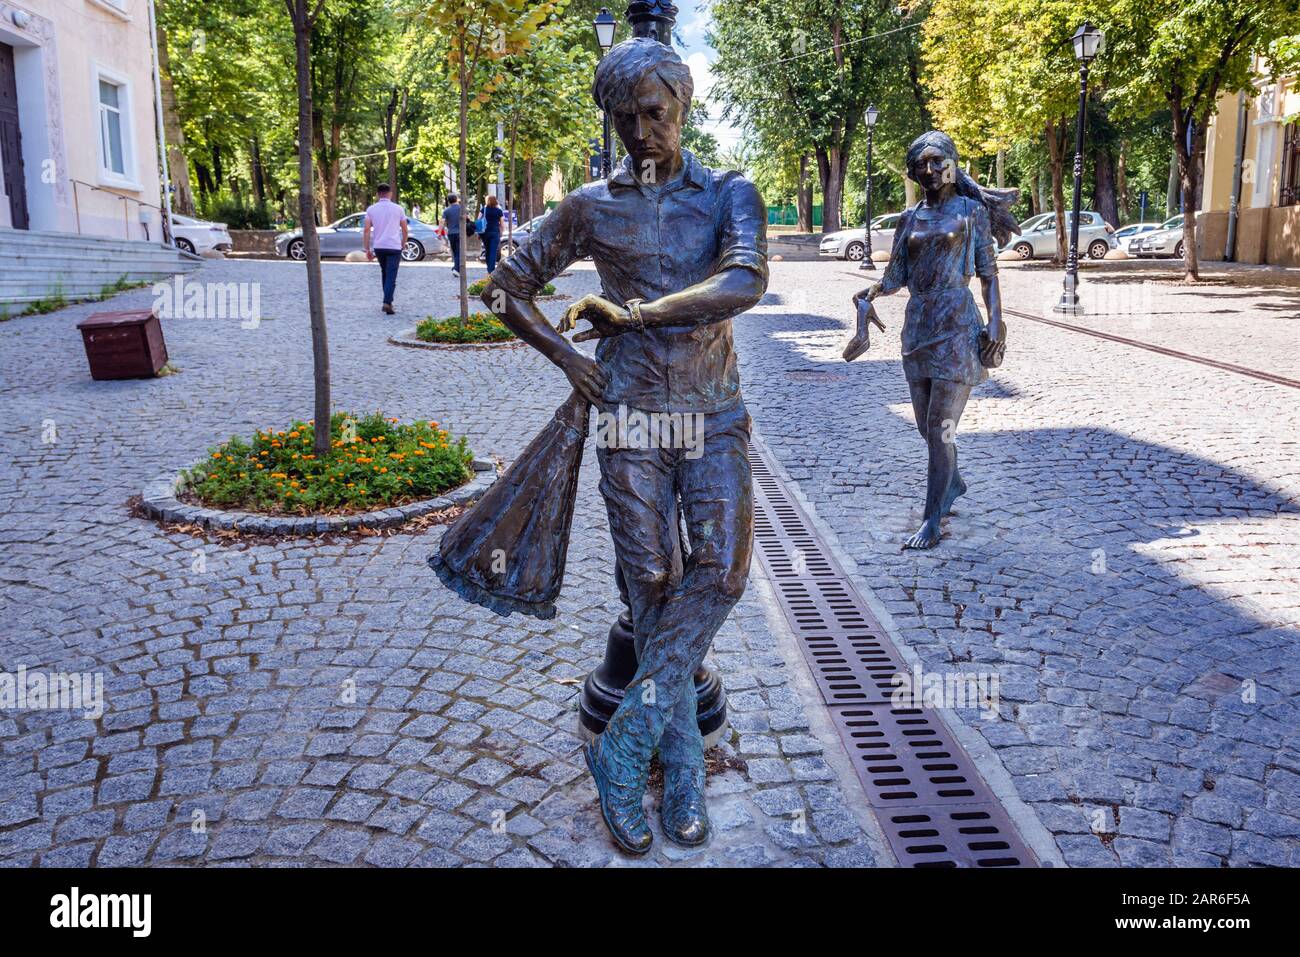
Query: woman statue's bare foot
[927,536]
[955,490]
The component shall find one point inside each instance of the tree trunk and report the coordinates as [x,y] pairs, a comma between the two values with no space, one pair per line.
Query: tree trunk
[1103,177]
[1171,191]
[804,196]
[1189,181]
[463,171]
[259,175]
[1055,153]
[306,213]
[831,169]
[1121,184]
[177,167]
[393,117]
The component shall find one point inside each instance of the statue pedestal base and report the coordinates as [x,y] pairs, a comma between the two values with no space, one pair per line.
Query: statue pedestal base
[603,690]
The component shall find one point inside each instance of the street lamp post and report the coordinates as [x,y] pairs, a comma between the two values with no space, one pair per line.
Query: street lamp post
[605,25]
[1088,42]
[872,115]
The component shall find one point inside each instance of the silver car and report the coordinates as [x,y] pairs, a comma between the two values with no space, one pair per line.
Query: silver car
[850,244]
[1038,236]
[342,237]
[1165,241]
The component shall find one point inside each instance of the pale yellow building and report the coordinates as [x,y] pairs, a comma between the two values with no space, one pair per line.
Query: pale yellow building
[1268,220]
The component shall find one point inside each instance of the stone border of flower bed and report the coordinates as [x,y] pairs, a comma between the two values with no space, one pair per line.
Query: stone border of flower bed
[407,338]
[159,501]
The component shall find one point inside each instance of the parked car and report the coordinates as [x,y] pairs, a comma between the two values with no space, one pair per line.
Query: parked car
[199,235]
[1038,236]
[342,237]
[850,244]
[1127,235]
[1165,241]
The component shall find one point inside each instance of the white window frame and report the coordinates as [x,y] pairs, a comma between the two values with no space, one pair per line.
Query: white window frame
[126,112]
[119,8]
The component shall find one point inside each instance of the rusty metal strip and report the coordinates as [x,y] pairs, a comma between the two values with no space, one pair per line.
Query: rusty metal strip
[1151,347]
[933,805]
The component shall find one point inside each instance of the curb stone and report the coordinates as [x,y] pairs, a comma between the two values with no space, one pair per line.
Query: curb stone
[158,500]
[407,338]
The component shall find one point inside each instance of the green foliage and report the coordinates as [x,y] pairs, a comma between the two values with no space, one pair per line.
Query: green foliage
[236,215]
[373,463]
[478,327]
[699,140]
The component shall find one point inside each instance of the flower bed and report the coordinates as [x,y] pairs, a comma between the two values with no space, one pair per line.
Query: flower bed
[479,327]
[373,463]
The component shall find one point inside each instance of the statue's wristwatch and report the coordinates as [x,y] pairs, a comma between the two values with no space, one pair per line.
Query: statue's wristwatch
[634,309]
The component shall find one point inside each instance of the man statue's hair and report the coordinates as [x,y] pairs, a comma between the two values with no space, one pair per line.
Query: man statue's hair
[627,63]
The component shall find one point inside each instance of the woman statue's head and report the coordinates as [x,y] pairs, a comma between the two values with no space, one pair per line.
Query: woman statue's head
[932,162]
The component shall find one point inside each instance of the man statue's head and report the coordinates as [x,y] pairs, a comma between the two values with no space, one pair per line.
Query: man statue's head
[646,89]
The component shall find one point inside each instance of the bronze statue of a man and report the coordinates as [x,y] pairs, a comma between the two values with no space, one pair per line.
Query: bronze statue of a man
[680,250]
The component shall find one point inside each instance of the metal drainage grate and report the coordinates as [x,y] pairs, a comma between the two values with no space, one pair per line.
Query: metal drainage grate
[933,805]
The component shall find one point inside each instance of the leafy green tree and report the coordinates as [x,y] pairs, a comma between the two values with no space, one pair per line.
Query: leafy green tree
[303,14]
[1183,55]
[482,33]
[801,73]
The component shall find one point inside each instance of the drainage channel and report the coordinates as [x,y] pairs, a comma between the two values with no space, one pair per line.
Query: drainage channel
[933,805]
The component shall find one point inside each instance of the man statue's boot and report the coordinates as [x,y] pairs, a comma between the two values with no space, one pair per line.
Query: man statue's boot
[620,775]
[683,815]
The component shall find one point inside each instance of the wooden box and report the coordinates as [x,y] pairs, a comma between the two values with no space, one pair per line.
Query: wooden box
[123,345]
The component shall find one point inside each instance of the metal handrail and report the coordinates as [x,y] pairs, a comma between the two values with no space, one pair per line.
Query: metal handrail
[126,218]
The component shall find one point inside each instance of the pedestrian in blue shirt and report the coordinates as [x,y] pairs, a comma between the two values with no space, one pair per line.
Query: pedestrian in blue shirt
[451,219]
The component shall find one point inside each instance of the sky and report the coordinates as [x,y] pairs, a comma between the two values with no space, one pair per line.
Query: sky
[692,23]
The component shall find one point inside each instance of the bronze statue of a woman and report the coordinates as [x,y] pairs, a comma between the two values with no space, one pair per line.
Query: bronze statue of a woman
[939,244]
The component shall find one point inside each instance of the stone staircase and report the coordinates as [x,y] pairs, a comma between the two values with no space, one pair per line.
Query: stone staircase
[37,266]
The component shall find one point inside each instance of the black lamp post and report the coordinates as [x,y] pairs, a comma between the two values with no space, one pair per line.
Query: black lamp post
[1088,42]
[872,115]
[605,25]
[603,690]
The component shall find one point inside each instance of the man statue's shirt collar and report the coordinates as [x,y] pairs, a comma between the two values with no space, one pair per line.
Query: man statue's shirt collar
[691,173]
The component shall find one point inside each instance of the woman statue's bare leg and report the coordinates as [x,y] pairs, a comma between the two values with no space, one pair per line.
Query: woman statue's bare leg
[938,405]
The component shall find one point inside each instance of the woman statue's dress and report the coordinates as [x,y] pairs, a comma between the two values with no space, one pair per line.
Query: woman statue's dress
[935,254]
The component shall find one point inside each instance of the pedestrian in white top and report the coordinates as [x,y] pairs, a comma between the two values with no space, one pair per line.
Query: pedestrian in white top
[386,226]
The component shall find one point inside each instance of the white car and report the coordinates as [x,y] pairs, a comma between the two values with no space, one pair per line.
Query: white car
[1165,241]
[850,244]
[1038,236]
[1128,235]
[198,235]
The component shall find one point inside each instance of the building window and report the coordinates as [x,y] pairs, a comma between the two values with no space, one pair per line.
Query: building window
[110,127]
[1290,193]
[116,144]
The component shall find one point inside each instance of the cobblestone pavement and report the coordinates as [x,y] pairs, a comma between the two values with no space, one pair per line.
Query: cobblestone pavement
[1125,560]
[228,737]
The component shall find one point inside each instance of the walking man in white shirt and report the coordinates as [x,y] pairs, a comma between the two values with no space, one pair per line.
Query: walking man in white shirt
[384,238]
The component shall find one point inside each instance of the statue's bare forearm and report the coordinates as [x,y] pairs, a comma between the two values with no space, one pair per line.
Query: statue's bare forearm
[525,320]
[992,298]
[721,296]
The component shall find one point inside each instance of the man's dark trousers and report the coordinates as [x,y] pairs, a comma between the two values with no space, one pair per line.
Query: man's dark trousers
[453,240]
[388,260]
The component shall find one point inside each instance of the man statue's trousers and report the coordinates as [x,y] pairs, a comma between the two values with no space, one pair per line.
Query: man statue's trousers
[677,603]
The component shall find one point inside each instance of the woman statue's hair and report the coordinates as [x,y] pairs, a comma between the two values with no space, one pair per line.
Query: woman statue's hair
[997,201]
